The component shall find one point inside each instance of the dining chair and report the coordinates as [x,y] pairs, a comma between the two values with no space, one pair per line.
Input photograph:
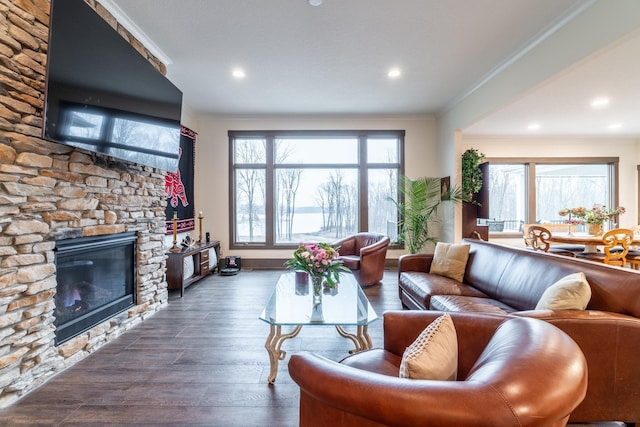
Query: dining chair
[559,227]
[536,237]
[616,246]
[633,255]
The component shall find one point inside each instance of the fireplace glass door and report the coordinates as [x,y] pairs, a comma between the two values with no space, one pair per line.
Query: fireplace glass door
[96,280]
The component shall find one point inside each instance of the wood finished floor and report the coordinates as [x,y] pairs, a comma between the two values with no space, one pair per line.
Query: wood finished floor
[199,361]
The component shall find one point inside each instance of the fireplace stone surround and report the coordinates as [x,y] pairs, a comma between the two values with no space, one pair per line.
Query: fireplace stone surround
[50,192]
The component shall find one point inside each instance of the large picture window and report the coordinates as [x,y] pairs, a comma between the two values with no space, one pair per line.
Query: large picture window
[534,190]
[294,186]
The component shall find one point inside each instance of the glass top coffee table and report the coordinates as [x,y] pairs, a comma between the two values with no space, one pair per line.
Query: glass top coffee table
[292,303]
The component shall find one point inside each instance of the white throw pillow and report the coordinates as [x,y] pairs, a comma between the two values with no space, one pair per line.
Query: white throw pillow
[572,292]
[434,354]
[450,260]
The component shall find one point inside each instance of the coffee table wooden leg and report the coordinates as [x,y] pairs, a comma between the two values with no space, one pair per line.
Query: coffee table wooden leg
[361,339]
[273,346]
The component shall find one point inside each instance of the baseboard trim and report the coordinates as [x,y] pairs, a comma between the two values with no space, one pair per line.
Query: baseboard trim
[279,264]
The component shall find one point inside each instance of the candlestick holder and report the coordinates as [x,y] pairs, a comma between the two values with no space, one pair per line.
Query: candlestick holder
[200,221]
[175,247]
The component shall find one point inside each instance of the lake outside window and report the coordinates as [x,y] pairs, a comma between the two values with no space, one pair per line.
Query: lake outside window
[295,186]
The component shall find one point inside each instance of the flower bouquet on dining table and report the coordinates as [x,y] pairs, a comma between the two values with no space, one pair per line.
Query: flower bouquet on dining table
[598,214]
[594,218]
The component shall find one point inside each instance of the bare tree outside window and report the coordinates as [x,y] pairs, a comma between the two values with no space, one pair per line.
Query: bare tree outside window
[250,190]
[314,189]
[555,186]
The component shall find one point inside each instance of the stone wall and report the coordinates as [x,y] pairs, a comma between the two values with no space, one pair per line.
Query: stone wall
[49,192]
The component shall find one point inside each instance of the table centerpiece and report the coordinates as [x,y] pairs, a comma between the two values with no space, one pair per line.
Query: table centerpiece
[595,217]
[320,261]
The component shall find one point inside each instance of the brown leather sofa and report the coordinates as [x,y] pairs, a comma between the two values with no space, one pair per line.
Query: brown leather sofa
[511,372]
[364,254]
[504,279]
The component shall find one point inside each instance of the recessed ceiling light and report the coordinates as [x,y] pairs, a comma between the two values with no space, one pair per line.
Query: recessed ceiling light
[600,102]
[238,73]
[315,2]
[614,126]
[533,126]
[394,73]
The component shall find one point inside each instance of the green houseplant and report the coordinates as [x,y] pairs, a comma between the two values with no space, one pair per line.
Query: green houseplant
[419,209]
[471,173]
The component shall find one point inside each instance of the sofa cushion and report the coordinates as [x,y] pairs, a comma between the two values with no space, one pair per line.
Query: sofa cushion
[470,304]
[375,360]
[450,260]
[420,286]
[434,354]
[351,261]
[572,292]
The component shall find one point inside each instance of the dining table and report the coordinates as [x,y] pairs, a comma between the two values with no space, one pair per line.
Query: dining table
[589,241]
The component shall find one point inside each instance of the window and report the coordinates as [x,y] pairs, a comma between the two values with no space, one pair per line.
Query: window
[534,190]
[294,186]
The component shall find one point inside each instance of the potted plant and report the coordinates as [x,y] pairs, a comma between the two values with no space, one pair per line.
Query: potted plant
[471,173]
[419,209]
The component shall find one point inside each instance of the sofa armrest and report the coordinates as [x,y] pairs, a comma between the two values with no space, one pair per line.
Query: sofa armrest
[415,262]
[609,342]
[378,247]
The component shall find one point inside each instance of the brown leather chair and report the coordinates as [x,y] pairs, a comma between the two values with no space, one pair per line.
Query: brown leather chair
[364,254]
[512,371]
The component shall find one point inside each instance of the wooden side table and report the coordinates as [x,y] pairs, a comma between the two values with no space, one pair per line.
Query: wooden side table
[200,254]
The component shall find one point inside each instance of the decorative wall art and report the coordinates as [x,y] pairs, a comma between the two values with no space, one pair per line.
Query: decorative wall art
[178,185]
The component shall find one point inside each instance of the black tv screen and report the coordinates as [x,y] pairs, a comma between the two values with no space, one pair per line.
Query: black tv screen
[104,96]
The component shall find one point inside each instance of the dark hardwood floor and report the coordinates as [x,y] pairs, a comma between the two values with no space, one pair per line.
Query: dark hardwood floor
[199,361]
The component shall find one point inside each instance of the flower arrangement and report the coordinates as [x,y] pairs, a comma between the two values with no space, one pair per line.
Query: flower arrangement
[319,260]
[573,211]
[598,214]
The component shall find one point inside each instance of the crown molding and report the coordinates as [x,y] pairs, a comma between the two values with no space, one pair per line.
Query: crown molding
[526,48]
[133,28]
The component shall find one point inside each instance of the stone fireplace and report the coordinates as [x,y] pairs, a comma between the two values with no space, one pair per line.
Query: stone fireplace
[50,194]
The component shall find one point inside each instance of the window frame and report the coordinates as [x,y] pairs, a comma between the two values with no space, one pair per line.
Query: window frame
[530,172]
[270,167]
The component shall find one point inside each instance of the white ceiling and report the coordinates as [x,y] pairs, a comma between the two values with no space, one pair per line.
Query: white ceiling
[562,105]
[333,59]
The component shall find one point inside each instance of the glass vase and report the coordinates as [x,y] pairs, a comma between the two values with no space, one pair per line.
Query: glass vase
[316,310]
[316,282]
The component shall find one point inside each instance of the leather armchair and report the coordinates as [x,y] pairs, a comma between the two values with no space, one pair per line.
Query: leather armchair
[511,372]
[364,254]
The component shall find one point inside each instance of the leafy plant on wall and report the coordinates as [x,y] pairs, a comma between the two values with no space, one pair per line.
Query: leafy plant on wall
[471,173]
[419,209]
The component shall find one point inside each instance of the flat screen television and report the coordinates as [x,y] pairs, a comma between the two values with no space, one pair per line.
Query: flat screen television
[103,96]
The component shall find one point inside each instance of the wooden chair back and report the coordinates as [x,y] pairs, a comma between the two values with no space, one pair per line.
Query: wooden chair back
[619,239]
[537,237]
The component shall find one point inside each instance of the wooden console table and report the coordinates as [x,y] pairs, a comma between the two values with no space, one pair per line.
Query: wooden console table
[200,254]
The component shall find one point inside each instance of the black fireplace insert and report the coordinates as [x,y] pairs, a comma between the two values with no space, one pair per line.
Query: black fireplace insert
[96,280]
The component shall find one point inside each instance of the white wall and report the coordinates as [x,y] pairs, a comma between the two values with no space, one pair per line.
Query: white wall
[628,150]
[212,160]
[601,23]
